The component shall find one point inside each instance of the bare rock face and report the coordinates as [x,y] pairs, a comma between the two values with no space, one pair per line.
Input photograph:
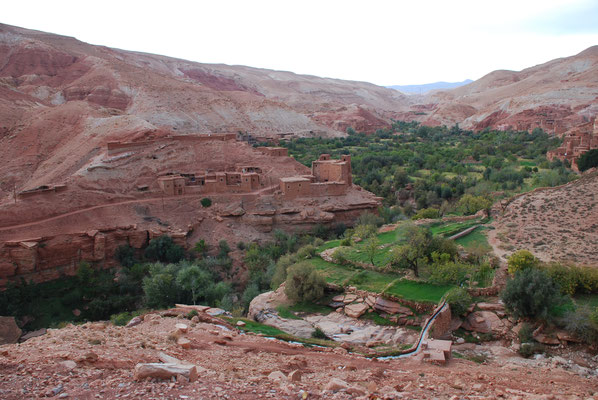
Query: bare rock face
[484,322]
[9,331]
[442,324]
[391,307]
[356,310]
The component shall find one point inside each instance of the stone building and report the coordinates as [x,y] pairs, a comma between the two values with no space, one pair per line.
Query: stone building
[274,151]
[329,177]
[172,185]
[575,143]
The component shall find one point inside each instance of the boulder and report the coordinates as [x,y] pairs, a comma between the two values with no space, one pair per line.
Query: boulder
[566,337]
[134,321]
[184,343]
[545,339]
[215,311]
[33,334]
[491,306]
[295,376]
[296,327]
[336,384]
[350,298]
[338,298]
[267,301]
[484,322]
[165,371]
[391,307]
[9,331]
[356,310]
[442,324]
[183,328]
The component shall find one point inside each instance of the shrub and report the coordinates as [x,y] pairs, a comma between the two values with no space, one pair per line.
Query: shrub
[319,334]
[573,279]
[469,204]
[531,294]
[364,231]
[459,301]
[529,349]
[427,213]
[582,323]
[525,333]
[450,273]
[280,270]
[346,242]
[340,256]
[307,251]
[521,260]
[369,219]
[304,283]
[121,319]
[206,202]
[164,249]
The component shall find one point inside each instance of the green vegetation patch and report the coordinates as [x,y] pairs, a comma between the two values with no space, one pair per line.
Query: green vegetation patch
[475,239]
[270,331]
[418,291]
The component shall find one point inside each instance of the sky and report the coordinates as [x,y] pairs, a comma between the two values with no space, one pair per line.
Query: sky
[391,42]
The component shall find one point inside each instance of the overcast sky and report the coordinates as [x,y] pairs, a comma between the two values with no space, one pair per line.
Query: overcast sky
[383,42]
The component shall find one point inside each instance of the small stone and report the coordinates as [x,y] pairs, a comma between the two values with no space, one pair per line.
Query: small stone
[372,387]
[57,389]
[63,396]
[184,343]
[134,321]
[241,323]
[183,328]
[276,376]
[295,376]
[69,364]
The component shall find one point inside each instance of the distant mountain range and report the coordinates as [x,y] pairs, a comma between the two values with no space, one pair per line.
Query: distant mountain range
[426,87]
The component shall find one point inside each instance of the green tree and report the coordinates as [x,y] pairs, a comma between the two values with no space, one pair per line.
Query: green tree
[531,294]
[304,283]
[520,260]
[371,248]
[125,255]
[164,249]
[415,252]
[588,160]
[193,279]
[206,202]
[160,287]
[469,204]
[201,248]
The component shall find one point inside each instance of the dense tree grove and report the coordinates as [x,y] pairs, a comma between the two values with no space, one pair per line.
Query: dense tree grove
[441,164]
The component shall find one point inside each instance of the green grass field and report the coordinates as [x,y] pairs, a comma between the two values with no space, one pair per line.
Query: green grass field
[474,239]
[418,291]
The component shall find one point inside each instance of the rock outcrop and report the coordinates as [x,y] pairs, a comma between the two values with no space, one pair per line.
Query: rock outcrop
[9,330]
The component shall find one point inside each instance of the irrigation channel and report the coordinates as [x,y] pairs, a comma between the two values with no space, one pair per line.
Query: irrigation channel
[422,336]
[408,353]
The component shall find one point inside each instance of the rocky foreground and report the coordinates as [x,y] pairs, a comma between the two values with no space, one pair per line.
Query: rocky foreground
[98,360]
